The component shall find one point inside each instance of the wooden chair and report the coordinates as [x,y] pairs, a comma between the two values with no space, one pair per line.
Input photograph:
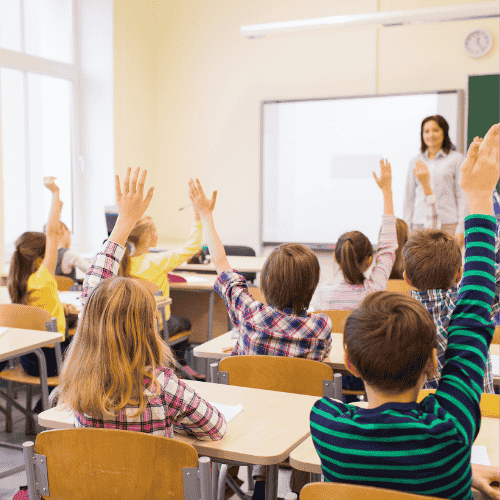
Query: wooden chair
[399,286]
[496,336]
[64,283]
[90,463]
[489,404]
[30,318]
[275,373]
[338,319]
[341,491]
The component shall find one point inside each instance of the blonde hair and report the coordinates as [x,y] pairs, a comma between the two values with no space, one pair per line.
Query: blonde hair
[116,346]
[141,229]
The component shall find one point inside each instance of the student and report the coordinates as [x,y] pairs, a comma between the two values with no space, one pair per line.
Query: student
[31,279]
[118,372]
[67,260]
[433,265]
[354,255]
[154,268]
[288,280]
[402,234]
[390,341]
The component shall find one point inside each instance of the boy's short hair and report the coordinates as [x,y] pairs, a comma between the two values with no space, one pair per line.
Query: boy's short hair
[389,339]
[432,259]
[289,277]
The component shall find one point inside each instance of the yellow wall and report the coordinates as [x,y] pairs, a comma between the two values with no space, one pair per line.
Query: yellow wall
[193,88]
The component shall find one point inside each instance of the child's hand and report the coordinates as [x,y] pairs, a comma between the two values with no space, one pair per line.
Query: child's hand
[482,477]
[201,203]
[422,174]
[384,182]
[131,203]
[49,183]
[479,172]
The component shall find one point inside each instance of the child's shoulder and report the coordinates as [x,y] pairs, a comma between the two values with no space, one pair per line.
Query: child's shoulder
[41,278]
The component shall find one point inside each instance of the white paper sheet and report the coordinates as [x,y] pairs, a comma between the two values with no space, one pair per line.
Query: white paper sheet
[479,456]
[229,412]
[193,279]
[495,365]
[3,330]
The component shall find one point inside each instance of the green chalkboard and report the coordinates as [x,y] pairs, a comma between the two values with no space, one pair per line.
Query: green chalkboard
[484,106]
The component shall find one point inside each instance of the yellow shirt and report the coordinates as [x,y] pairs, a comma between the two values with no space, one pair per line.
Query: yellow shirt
[154,267]
[44,295]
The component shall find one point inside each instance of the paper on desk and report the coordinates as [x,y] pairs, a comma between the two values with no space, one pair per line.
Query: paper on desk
[69,297]
[3,330]
[193,279]
[495,365]
[229,412]
[479,456]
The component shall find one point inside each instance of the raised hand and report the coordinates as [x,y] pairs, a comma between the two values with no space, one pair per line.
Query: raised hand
[422,174]
[201,203]
[49,183]
[131,202]
[385,180]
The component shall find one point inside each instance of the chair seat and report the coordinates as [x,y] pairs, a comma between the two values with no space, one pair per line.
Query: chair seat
[179,337]
[17,374]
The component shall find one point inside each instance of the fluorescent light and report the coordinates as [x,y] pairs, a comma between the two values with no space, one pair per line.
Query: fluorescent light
[416,16]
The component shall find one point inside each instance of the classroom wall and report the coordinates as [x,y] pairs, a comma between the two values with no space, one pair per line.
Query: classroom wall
[193,88]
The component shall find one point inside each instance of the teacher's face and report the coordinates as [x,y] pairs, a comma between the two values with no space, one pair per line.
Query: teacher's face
[433,134]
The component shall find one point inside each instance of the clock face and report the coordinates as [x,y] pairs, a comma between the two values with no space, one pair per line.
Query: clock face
[478,43]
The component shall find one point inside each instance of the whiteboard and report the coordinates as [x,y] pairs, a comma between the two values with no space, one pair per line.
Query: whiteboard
[317,159]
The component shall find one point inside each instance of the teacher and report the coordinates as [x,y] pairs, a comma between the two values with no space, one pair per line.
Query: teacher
[433,196]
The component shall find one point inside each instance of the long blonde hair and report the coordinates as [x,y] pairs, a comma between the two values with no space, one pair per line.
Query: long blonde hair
[141,228]
[116,346]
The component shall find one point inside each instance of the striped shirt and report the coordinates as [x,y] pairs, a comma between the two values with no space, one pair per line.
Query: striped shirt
[422,448]
[346,296]
[176,407]
[267,330]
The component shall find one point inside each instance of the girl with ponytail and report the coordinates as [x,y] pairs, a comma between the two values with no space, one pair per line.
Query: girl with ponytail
[354,255]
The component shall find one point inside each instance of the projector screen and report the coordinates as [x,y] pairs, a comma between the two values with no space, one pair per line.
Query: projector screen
[318,157]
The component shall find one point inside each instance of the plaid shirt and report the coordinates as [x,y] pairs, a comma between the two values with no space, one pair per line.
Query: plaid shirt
[266,330]
[441,304]
[176,407]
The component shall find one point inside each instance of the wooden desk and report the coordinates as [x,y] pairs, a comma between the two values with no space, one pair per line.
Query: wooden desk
[305,458]
[198,301]
[270,427]
[243,264]
[222,346]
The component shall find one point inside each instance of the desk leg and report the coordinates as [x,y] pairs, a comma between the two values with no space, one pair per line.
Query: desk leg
[211,300]
[272,482]
[215,479]
[43,378]
[316,478]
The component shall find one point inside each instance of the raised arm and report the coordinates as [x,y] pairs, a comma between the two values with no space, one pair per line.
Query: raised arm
[385,184]
[52,228]
[423,176]
[131,206]
[204,207]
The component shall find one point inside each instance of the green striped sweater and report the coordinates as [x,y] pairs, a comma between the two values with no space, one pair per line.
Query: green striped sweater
[425,447]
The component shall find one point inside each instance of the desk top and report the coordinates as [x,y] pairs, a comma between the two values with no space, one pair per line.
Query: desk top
[195,282]
[270,426]
[240,263]
[17,341]
[305,458]
[221,347]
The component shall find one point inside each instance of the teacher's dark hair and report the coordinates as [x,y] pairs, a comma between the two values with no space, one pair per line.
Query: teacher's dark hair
[443,125]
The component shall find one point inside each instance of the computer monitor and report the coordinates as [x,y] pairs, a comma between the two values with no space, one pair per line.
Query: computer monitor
[111,214]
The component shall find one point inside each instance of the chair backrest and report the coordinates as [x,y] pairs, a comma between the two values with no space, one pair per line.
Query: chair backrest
[277,373]
[341,491]
[338,319]
[399,286]
[257,294]
[90,463]
[489,404]
[245,252]
[496,336]
[21,316]
[64,283]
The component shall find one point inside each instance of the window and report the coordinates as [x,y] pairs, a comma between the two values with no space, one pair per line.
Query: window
[38,89]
